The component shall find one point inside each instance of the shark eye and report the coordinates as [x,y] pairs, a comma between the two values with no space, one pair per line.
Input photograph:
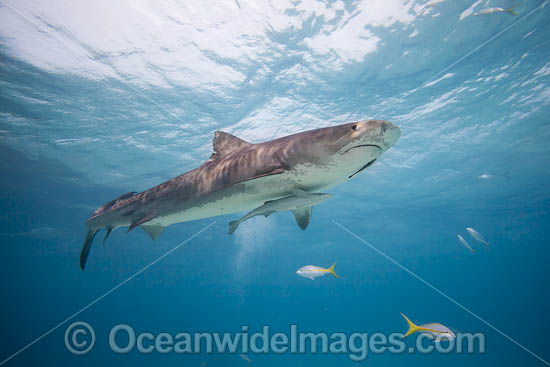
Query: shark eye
[354,127]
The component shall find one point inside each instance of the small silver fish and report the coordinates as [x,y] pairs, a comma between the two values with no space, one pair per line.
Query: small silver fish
[244,357]
[312,271]
[486,176]
[496,10]
[465,243]
[438,331]
[477,236]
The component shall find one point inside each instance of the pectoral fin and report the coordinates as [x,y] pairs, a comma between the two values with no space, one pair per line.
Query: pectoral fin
[302,215]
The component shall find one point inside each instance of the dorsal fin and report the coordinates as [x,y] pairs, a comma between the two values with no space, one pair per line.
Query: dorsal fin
[225,143]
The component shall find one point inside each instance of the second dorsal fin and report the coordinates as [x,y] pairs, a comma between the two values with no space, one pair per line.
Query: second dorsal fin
[225,143]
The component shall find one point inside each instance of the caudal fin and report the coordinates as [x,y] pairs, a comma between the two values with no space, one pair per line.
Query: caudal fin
[331,270]
[233,225]
[412,327]
[511,11]
[86,246]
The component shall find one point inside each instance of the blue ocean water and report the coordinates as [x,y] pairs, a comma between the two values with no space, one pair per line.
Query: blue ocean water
[98,99]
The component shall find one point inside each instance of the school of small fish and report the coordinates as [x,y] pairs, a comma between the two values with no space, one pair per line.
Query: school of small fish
[436,331]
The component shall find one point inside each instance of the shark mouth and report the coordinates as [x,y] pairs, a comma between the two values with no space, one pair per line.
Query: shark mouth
[364,167]
[363,145]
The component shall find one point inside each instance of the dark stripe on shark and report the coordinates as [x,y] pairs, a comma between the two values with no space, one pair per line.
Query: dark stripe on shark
[363,168]
[155,231]
[111,203]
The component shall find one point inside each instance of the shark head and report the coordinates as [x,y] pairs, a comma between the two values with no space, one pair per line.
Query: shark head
[339,152]
[360,147]
[378,134]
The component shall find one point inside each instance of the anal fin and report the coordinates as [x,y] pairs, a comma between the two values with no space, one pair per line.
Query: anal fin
[153,231]
[107,233]
[302,215]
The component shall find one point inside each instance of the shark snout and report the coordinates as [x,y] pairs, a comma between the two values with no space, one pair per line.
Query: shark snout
[389,132]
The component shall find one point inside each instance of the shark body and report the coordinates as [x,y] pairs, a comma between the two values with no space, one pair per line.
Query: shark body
[242,176]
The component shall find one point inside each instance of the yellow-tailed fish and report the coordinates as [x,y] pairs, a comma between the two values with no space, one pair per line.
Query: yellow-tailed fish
[244,357]
[312,271]
[438,331]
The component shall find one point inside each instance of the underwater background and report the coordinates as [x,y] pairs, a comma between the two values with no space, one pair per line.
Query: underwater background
[101,98]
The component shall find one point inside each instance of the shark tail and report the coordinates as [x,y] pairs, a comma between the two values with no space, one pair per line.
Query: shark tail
[331,270]
[86,246]
[233,225]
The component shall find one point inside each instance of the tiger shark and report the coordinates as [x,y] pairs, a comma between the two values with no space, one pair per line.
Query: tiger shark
[241,176]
